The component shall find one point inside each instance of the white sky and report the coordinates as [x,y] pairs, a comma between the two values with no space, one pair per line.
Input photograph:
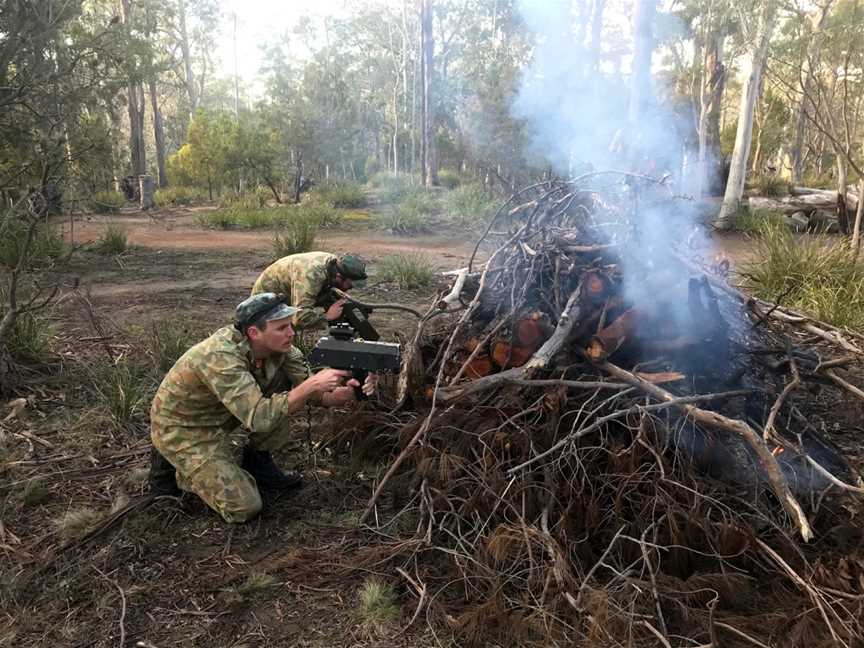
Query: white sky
[262,21]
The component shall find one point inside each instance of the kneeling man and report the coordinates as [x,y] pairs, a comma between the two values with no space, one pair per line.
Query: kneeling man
[247,375]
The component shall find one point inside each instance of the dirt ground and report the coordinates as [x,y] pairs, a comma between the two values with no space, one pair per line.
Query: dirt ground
[169,572]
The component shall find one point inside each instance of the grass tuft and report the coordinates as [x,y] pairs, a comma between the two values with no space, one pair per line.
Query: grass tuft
[754,222]
[468,206]
[30,337]
[295,236]
[256,582]
[770,184]
[107,202]
[166,341]
[77,522]
[179,196]
[344,195]
[112,241]
[123,389]
[814,274]
[393,187]
[376,605]
[408,271]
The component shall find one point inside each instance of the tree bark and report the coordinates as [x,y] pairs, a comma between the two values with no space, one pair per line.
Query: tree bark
[135,105]
[159,134]
[796,153]
[430,173]
[842,190]
[859,212]
[714,74]
[744,134]
[191,89]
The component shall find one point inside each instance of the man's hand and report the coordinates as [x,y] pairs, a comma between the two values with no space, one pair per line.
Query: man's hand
[326,380]
[370,385]
[335,311]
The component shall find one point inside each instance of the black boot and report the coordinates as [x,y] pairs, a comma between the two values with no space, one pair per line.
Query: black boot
[163,478]
[260,464]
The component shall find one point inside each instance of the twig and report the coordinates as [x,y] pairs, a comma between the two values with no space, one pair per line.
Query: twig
[768,431]
[852,389]
[713,419]
[420,588]
[398,307]
[738,633]
[656,633]
[827,475]
[453,296]
[122,642]
[596,566]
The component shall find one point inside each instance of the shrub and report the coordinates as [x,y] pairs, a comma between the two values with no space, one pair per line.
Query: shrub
[252,198]
[112,241]
[376,605]
[754,222]
[392,187]
[296,235]
[769,184]
[813,274]
[46,247]
[29,336]
[820,180]
[372,166]
[410,215]
[467,206]
[346,195]
[166,341]
[216,219]
[408,271]
[180,196]
[107,202]
[122,388]
[449,179]
[322,213]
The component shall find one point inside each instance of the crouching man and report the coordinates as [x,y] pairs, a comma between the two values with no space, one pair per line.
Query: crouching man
[247,375]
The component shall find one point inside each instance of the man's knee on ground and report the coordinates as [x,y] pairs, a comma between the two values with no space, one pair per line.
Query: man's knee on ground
[239,511]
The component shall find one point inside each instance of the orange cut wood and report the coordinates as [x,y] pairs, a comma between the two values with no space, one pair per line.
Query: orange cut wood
[528,333]
[479,367]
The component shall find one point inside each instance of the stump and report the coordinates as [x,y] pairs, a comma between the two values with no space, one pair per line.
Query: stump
[147,190]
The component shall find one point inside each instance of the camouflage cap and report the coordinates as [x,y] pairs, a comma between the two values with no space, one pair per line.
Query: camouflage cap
[352,267]
[268,306]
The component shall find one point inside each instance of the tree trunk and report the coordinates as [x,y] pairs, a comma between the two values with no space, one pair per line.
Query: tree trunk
[710,164]
[796,153]
[596,32]
[743,136]
[158,134]
[842,189]
[430,173]
[856,230]
[191,89]
[137,151]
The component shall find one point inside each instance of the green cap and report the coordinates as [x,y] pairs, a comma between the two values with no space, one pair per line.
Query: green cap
[268,306]
[352,267]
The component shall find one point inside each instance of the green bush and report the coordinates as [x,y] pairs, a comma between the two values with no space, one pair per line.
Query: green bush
[45,248]
[372,166]
[107,202]
[322,213]
[295,236]
[180,196]
[410,215]
[377,608]
[392,187]
[166,341]
[29,337]
[408,271]
[252,198]
[769,184]
[123,389]
[346,195]
[467,206]
[754,222]
[823,180]
[112,241]
[449,179]
[815,274]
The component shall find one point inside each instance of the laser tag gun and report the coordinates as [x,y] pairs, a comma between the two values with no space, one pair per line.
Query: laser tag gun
[355,316]
[339,350]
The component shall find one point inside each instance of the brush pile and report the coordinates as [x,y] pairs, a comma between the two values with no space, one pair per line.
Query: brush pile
[602,443]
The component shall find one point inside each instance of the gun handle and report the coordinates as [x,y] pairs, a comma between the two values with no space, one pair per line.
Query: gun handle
[360,376]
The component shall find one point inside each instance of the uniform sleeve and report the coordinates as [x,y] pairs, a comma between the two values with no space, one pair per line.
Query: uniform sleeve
[304,292]
[295,366]
[228,378]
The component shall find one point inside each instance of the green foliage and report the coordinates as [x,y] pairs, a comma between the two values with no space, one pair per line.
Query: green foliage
[408,271]
[254,198]
[107,202]
[122,389]
[376,605]
[222,219]
[449,179]
[824,180]
[177,196]
[30,336]
[410,215]
[814,274]
[393,187]
[296,235]
[758,220]
[166,341]
[45,248]
[467,206]
[769,184]
[346,195]
[204,159]
[256,582]
[321,213]
[112,241]
[371,166]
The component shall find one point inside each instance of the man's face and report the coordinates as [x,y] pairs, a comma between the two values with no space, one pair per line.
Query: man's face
[276,337]
[342,283]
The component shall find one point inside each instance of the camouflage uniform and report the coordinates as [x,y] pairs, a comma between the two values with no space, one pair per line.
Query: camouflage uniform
[303,279]
[212,389]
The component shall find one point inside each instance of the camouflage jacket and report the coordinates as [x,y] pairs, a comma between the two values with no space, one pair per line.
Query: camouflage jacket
[217,385]
[303,278]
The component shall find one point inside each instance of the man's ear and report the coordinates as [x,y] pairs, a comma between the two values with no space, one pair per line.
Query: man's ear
[253,333]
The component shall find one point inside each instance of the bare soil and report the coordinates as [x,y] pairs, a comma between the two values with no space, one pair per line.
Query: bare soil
[169,572]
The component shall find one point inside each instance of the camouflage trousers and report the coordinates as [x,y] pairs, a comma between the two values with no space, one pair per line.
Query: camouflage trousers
[206,463]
